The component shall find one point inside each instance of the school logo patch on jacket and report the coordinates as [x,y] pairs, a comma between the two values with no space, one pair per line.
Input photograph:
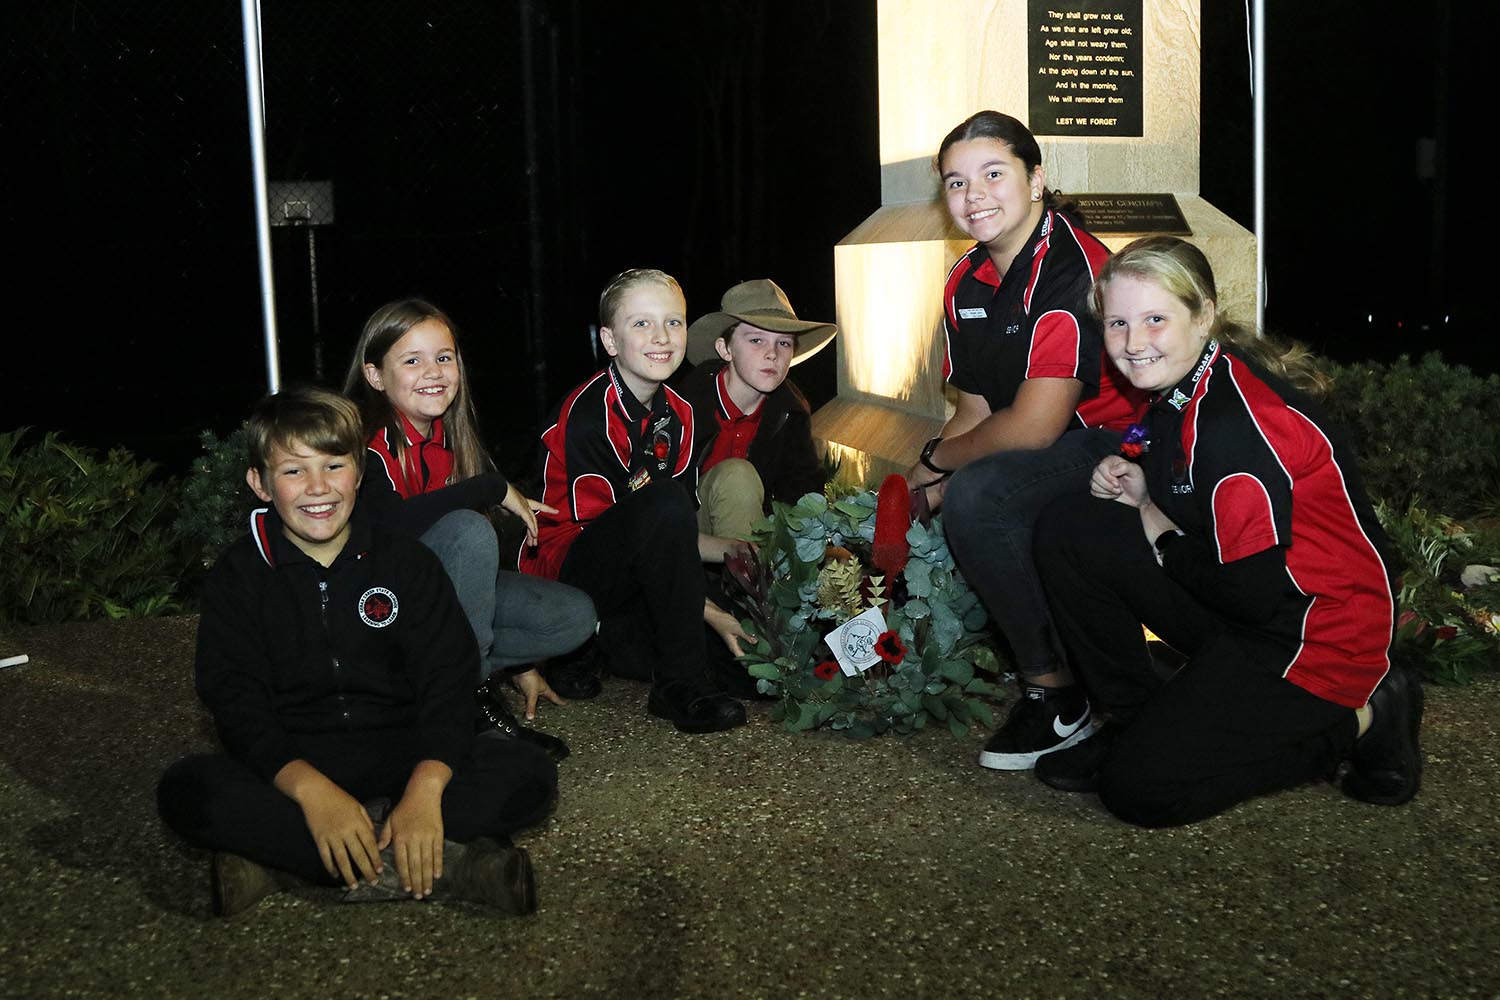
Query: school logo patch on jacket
[378,607]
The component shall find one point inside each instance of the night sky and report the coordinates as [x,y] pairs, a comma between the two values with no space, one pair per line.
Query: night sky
[717,141]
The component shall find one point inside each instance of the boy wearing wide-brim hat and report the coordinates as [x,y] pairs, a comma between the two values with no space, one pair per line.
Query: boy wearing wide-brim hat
[753,430]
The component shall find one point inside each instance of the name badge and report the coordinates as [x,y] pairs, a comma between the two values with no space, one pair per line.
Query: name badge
[972,313]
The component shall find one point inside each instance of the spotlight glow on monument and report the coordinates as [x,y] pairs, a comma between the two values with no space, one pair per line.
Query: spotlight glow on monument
[889,271]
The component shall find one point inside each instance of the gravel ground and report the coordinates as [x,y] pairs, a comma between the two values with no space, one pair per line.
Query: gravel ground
[748,864]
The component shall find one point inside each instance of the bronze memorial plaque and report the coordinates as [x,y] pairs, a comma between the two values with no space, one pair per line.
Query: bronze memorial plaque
[1131,214]
[1084,61]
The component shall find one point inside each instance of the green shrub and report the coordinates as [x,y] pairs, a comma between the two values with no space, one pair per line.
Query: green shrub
[1449,625]
[215,499]
[1429,429]
[82,536]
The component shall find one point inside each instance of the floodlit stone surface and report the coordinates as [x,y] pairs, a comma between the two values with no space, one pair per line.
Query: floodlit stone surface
[752,863]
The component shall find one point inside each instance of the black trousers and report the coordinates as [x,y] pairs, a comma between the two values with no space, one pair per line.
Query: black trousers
[215,802]
[639,562]
[1225,727]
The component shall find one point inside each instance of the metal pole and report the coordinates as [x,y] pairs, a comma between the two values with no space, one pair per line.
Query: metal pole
[312,275]
[1258,89]
[254,89]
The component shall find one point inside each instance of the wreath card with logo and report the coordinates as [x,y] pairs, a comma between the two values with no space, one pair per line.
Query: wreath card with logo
[853,643]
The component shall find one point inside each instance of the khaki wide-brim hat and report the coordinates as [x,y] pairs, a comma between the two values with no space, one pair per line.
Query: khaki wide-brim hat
[762,303]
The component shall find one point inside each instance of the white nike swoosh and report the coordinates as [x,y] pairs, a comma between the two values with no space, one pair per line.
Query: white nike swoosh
[1065,731]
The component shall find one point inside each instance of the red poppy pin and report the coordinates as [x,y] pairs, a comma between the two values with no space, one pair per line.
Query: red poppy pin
[890,647]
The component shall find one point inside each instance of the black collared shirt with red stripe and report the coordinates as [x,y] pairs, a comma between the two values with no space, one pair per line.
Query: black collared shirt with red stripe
[1034,322]
[1286,542]
[376,642]
[603,444]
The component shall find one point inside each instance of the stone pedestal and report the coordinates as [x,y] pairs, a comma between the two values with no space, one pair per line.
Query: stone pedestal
[939,63]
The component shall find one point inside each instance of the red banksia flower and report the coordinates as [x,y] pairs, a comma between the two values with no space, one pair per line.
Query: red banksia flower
[826,671]
[892,517]
[890,647]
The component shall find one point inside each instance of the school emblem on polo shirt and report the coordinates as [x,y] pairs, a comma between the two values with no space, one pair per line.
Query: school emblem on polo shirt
[378,607]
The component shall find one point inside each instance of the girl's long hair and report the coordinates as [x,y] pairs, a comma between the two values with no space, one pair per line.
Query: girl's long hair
[1181,269]
[387,325]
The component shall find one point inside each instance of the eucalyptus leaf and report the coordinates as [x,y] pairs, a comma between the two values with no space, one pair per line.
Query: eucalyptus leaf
[983,714]
[957,671]
[810,549]
[946,628]
[853,509]
[811,505]
[935,706]
[918,576]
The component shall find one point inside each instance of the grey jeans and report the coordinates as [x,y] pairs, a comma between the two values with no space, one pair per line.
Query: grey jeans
[516,618]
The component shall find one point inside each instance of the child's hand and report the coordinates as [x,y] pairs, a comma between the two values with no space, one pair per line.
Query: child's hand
[339,825]
[727,625]
[414,829]
[714,549]
[533,685]
[1114,478]
[526,509]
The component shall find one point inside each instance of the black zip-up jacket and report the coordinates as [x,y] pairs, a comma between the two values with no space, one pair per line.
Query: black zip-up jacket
[782,451]
[377,641]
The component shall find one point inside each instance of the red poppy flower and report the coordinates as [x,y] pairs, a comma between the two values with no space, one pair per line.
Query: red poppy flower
[660,447]
[826,671]
[890,647]
[1131,450]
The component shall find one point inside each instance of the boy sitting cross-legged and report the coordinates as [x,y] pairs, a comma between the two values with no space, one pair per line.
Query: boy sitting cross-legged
[338,667]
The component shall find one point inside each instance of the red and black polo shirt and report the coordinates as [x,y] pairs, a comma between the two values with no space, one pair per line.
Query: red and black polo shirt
[425,465]
[603,444]
[1236,458]
[1034,322]
[737,429]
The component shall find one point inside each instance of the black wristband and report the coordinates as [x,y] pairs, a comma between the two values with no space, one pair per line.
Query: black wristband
[926,457]
[1167,538]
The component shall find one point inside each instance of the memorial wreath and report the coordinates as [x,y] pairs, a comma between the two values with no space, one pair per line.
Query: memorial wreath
[829,567]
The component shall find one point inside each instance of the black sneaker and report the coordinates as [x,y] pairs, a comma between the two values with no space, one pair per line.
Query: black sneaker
[1043,720]
[1387,763]
[1077,768]
[694,707]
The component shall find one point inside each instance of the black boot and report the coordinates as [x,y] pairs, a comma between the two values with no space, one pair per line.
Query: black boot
[239,883]
[1386,768]
[491,871]
[497,720]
